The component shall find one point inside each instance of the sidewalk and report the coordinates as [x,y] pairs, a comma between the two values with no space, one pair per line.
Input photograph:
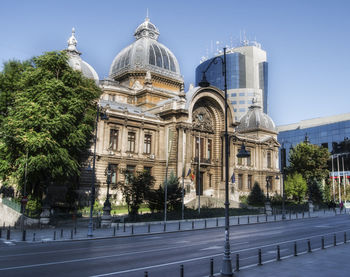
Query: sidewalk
[130,229]
[333,261]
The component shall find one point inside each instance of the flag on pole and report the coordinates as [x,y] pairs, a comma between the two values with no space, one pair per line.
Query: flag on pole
[189,172]
[233,179]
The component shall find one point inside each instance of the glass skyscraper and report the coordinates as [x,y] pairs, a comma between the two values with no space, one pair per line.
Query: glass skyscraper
[247,76]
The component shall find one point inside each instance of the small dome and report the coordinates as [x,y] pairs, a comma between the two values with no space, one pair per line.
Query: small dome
[146,54]
[76,62]
[255,119]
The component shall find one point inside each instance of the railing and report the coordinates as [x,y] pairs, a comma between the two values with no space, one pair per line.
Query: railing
[12,204]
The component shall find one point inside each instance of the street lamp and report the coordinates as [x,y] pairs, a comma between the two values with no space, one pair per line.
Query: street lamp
[104,116]
[106,217]
[226,269]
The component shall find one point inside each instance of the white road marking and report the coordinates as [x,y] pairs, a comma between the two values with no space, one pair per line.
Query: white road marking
[211,248]
[10,243]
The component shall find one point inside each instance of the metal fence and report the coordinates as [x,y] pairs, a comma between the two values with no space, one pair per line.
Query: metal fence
[12,204]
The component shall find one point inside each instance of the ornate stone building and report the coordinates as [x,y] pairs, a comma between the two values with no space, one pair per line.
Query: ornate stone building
[154,125]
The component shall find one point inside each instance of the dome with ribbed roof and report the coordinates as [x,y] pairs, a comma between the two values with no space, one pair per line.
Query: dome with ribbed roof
[146,54]
[255,119]
[76,62]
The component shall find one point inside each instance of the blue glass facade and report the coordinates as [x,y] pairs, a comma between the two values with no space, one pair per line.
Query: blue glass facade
[236,73]
[327,135]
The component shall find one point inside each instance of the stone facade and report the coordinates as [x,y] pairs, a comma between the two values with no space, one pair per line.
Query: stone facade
[154,125]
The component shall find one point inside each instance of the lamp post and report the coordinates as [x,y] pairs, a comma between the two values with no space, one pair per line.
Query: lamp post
[283,170]
[106,217]
[92,196]
[226,269]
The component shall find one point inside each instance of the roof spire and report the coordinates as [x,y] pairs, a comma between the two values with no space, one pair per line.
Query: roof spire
[72,42]
[147,17]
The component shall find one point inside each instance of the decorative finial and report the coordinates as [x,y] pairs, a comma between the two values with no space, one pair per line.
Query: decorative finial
[72,42]
[147,17]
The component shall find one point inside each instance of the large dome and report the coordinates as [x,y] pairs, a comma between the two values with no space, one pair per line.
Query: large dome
[146,54]
[255,119]
[76,62]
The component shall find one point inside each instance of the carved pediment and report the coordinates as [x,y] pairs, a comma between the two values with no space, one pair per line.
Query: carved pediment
[202,120]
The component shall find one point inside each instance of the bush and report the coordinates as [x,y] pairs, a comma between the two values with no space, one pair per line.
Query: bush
[33,207]
[256,196]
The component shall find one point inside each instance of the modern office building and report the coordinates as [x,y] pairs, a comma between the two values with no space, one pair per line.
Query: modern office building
[331,132]
[247,76]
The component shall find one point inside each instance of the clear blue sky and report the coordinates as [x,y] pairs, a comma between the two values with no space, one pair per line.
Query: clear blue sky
[307,41]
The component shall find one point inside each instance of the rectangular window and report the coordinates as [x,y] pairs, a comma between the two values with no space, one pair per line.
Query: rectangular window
[147,144]
[240,181]
[209,149]
[233,102]
[114,168]
[148,169]
[241,102]
[269,163]
[113,139]
[250,180]
[249,159]
[250,93]
[131,141]
[202,148]
[233,94]
[241,94]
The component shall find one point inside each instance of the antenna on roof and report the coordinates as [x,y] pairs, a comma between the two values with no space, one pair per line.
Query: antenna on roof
[147,13]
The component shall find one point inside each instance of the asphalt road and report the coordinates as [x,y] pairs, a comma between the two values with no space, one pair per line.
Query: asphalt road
[162,254]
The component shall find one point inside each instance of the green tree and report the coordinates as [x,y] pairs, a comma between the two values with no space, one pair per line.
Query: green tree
[135,189]
[174,196]
[256,196]
[295,187]
[310,161]
[49,122]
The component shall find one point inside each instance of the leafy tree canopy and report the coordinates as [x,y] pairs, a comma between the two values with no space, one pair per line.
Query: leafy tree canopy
[310,161]
[295,187]
[135,189]
[48,120]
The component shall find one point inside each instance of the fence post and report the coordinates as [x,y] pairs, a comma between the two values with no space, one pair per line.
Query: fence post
[278,253]
[24,235]
[295,249]
[179,228]
[322,242]
[211,267]
[335,240]
[217,222]
[309,246]
[344,237]
[61,233]
[259,257]
[164,227]
[146,274]
[8,235]
[118,226]
[33,236]
[248,219]
[257,218]
[237,262]
[54,235]
[71,234]
[113,231]
[192,224]
[149,228]
[132,229]
[0,232]
[124,227]
[266,218]
[182,270]
[205,224]
[238,220]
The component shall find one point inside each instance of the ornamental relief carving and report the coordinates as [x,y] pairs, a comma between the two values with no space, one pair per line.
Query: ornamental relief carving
[201,120]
